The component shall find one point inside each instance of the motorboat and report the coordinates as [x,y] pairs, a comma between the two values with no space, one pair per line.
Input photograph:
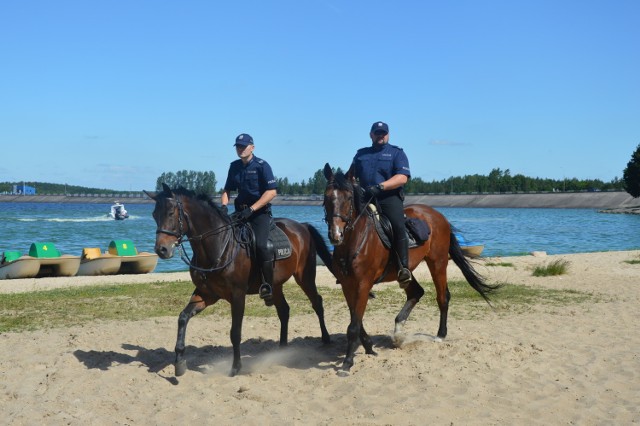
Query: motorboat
[118,212]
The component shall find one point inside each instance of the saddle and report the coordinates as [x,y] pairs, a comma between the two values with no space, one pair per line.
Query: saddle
[417,230]
[278,241]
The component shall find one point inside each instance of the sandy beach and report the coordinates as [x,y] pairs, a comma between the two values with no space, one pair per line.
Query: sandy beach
[572,364]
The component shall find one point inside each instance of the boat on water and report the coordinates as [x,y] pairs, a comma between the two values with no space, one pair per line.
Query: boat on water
[469,248]
[122,257]
[118,212]
[44,260]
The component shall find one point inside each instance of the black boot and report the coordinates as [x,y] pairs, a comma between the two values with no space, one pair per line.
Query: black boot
[266,291]
[404,275]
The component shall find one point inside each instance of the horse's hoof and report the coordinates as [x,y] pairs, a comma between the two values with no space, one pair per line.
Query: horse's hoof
[343,373]
[438,339]
[398,339]
[181,367]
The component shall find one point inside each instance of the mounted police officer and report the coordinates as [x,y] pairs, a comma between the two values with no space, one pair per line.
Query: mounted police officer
[382,170]
[253,179]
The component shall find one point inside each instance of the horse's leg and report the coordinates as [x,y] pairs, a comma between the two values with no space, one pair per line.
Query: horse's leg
[237,314]
[308,284]
[196,304]
[438,271]
[366,341]
[358,304]
[282,307]
[414,292]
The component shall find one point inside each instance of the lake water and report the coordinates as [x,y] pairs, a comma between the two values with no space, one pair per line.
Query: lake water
[504,232]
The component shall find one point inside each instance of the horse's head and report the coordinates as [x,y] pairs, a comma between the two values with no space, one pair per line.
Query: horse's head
[341,203]
[170,221]
[182,215]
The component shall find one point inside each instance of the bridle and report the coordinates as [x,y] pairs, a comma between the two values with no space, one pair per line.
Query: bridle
[350,222]
[183,218]
[348,219]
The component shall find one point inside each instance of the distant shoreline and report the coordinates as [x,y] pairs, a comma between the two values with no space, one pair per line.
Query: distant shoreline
[613,202]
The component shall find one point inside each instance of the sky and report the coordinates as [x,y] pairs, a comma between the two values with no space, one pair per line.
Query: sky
[111,94]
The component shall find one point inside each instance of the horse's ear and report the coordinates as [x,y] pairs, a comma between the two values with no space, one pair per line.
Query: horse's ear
[151,195]
[166,189]
[328,173]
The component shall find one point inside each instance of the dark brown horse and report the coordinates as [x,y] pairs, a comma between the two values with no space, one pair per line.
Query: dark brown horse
[360,259]
[221,267]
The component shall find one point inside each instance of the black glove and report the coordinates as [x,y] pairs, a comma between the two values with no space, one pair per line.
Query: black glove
[372,191]
[224,209]
[245,214]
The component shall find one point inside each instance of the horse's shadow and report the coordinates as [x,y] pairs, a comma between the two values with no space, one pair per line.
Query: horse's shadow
[302,353]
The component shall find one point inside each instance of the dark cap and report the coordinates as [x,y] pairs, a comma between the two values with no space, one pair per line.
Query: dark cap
[244,140]
[379,126]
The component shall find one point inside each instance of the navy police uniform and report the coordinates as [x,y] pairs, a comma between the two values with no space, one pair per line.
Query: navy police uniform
[374,165]
[251,181]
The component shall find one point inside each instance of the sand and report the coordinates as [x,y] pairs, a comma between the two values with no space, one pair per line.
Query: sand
[550,364]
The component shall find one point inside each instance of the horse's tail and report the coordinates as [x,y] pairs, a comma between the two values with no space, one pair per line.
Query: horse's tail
[471,275]
[321,247]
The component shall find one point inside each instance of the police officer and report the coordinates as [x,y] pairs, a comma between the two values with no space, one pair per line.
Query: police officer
[253,179]
[382,170]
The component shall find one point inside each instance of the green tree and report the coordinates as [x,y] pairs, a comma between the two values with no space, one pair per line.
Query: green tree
[631,174]
[317,183]
[199,182]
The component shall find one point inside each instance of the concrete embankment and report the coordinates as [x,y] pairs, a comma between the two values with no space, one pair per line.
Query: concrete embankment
[555,200]
[616,201]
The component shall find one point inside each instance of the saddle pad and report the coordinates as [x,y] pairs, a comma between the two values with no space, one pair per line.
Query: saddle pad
[383,228]
[418,228]
[281,244]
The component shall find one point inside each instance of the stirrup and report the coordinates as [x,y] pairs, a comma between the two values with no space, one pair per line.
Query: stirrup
[404,277]
[265,291]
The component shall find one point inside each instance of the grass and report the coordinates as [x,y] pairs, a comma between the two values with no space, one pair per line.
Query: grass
[557,267]
[505,264]
[83,305]
[632,261]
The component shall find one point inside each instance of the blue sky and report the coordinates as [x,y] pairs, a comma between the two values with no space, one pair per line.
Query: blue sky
[112,94]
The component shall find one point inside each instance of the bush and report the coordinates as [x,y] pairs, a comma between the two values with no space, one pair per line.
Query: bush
[557,267]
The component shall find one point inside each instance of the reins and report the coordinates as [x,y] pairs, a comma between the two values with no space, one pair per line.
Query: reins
[184,218]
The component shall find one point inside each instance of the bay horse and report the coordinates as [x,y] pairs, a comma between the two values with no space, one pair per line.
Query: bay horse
[221,266]
[360,259]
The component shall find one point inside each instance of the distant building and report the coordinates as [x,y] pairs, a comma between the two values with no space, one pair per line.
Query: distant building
[24,189]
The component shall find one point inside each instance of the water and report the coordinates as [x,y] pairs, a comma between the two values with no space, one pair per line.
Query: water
[504,232]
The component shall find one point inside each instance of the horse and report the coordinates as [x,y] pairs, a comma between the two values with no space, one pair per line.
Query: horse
[221,266]
[360,259]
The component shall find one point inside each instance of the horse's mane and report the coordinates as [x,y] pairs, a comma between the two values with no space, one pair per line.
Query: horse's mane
[201,197]
[341,182]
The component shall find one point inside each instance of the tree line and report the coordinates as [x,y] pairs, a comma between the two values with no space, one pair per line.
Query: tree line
[45,188]
[497,181]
